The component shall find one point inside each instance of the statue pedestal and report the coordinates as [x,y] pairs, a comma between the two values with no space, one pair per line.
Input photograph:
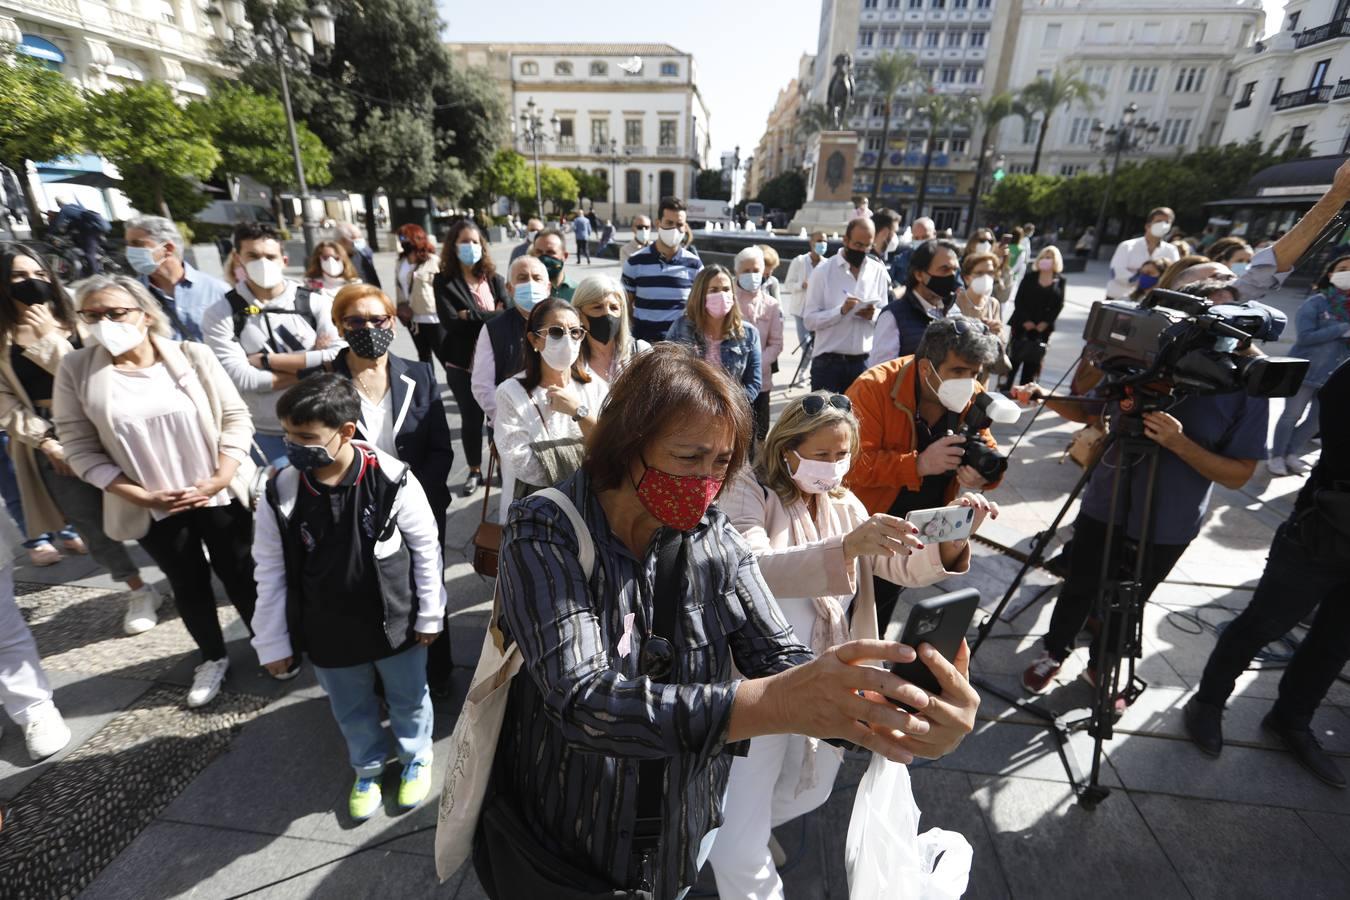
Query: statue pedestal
[829,188]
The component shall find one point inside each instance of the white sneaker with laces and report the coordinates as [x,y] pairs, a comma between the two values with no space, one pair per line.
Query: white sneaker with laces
[1297,466]
[46,734]
[1277,465]
[142,610]
[206,681]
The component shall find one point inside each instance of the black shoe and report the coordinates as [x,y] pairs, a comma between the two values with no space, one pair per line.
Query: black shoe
[472,483]
[1204,723]
[1303,744]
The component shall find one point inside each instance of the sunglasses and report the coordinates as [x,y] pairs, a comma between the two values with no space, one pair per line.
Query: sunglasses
[94,316]
[557,332]
[356,323]
[812,404]
[964,325]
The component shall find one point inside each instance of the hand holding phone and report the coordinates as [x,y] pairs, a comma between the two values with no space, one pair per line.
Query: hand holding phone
[941,622]
[947,523]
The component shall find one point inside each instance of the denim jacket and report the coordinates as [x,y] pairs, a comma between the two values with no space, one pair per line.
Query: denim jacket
[740,358]
[1322,339]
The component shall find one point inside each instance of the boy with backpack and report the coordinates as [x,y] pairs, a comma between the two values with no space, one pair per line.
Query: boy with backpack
[348,565]
[269,331]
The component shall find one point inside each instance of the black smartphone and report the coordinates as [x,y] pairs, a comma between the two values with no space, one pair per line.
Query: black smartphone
[941,621]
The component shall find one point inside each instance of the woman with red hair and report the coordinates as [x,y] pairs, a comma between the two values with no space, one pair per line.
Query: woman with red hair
[417,267]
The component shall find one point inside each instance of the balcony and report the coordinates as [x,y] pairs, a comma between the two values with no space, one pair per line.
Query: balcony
[635,149]
[668,150]
[1342,89]
[1305,97]
[1243,103]
[1328,32]
[567,148]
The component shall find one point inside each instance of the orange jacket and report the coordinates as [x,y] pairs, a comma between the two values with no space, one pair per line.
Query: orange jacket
[888,459]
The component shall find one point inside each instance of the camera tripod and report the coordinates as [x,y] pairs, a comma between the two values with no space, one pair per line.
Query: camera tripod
[1118,606]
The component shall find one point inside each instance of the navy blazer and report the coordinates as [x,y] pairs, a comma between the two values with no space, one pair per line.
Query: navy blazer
[421,432]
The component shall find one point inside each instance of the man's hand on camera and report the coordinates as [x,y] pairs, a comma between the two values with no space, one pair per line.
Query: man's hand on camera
[969,478]
[1163,429]
[942,456]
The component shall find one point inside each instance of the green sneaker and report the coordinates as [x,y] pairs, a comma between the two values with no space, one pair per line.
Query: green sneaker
[365,798]
[415,784]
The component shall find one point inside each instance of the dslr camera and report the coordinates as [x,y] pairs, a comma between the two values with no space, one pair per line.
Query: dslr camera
[984,410]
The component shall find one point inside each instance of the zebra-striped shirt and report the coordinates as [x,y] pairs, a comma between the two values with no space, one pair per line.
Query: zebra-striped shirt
[581,717]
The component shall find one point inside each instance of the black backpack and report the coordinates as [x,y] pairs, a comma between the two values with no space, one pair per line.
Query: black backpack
[303,308]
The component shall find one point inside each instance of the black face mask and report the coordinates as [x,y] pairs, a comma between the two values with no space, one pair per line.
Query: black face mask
[942,285]
[854,257]
[603,328]
[31,291]
[370,343]
[553,266]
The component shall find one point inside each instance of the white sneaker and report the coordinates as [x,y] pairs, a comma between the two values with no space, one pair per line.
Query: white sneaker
[206,681]
[142,610]
[1277,465]
[46,734]
[1297,466]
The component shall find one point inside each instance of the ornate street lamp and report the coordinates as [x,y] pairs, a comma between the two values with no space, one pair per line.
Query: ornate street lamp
[1131,134]
[532,130]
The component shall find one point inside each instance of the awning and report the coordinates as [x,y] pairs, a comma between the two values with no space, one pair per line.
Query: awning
[1290,183]
[124,68]
[41,48]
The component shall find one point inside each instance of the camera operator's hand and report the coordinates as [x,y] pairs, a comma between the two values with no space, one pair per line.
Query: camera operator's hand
[1163,429]
[950,715]
[969,478]
[943,455]
[1027,394]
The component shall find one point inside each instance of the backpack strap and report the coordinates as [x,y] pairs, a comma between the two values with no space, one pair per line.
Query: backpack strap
[585,544]
[304,306]
[238,311]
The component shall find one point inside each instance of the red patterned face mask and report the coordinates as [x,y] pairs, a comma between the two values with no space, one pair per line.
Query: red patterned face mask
[677,501]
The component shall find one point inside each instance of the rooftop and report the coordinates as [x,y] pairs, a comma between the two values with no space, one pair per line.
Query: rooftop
[563,48]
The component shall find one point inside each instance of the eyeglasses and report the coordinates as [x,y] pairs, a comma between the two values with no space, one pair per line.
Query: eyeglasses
[356,323]
[812,404]
[557,332]
[964,325]
[117,314]
[657,658]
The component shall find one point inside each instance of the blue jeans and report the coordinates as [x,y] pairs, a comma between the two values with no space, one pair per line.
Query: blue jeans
[1291,438]
[831,372]
[351,694]
[9,490]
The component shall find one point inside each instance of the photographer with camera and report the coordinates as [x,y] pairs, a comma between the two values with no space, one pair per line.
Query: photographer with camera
[912,411]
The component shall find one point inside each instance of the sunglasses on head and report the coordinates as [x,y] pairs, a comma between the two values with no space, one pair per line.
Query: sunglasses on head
[557,332]
[356,323]
[812,404]
[964,325]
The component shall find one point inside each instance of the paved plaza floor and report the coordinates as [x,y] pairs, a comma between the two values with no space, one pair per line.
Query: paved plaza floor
[247,797]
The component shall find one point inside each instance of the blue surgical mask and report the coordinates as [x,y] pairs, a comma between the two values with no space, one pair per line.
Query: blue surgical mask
[142,260]
[749,281]
[469,254]
[1239,268]
[1147,281]
[528,293]
[820,247]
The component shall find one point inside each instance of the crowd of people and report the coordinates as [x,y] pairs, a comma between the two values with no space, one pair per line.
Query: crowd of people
[694,586]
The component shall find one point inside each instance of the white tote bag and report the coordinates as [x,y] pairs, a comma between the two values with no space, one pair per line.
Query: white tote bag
[885,855]
[474,742]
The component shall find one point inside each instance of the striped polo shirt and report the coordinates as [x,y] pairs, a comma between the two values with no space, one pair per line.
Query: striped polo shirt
[661,287]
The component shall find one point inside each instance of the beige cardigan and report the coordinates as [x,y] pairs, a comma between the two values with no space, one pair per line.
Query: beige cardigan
[84,421]
[423,299]
[27,428]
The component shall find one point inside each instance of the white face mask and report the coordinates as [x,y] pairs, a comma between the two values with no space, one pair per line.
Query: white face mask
[982,284]
[1159,229]
[816,476]
[265,273]
[530,236]
[671,237]
[983,247]
[955,393]
[332,266]
[560,353]
[642,235]
[1341,280]
[117,337]
[893,244]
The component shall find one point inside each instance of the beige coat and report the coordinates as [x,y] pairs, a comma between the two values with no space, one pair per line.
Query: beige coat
[423,297]
[84,421]
[27,428]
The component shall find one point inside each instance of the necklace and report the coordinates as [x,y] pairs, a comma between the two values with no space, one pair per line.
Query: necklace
[365,386]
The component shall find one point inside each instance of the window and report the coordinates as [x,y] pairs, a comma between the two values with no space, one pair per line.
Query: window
[894,4]
[983,4]
[669,129]
[960,145]
[1029,129]
[1319,75]
[878,110]
[888,38]
[1228,84]
[670,69]
[632,132]
[1175,132]
[567,135]
[1279,86]
[632,186]
[939,4]
[909,39]
[1143,79]
[947,75]
[977,38]
[1190,79]
[970,76]
[1105,33]
[665,183]
[166,12]
[872,143]
[562,68]
[602,176]
[1097,75]
[869,4]
[865,38]
[529,68]
[1195,35]
[1050,40]
[1071,169]
[599,132]
[939,146]
[1293,20]
[954,38]
[1345,148]
[1079,129]
[960,4]
[1150,33]
[914,4]
[932,38]
[599,69]
[1247,90]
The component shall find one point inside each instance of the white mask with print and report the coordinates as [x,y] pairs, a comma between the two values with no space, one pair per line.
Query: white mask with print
[816,476]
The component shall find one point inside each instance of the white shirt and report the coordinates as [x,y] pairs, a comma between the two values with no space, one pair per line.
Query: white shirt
[794,288]
[831,282]
[377,422]
[1127,259]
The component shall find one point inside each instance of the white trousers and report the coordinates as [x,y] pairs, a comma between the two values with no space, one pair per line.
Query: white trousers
[762,794]
[24,691]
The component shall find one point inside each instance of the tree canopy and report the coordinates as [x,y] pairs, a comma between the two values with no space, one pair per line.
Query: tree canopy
[786,191]
[249,130]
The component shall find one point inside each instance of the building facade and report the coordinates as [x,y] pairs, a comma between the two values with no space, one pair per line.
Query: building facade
[781,148]
[628,111]
[1294,87]
[961,48]
[1173,61]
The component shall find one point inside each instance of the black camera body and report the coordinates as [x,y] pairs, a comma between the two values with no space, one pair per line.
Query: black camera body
[978,455]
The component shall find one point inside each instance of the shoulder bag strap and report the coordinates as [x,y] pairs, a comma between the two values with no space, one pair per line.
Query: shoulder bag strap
[585,543]
[487,482]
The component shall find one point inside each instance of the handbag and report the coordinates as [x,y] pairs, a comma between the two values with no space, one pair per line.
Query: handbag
[559,457]
[1086,445]
[487,538]
[474,741]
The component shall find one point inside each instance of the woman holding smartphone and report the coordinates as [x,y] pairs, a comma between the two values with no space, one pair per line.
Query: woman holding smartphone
[817,549]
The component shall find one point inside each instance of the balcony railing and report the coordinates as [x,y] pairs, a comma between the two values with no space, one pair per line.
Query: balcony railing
[1342,89]
[1305,97]
[667,150]
[1328,32]
[1243,103]
[635,149]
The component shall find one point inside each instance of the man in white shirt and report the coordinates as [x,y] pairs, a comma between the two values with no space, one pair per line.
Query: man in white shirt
[268,330]
[496,356]
[799,277]
[842,301]
[1133,253]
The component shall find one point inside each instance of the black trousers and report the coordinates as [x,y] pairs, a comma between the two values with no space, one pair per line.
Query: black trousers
[470,415]
[1296,580]
[583,249]
[427,338]
[761,410]
[175,544]
[1079,593]
[1025,353]
[833,372]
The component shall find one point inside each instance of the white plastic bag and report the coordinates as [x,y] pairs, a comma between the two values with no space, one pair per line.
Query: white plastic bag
[886,857]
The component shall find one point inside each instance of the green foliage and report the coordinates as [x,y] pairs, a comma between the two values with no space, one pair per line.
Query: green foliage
[40,112]
[709,186]
[507,175]
[886,75]
[591,185]
[559,186]
[155,144]
[786,192]
[249,130]
[1046,95]
[394,147]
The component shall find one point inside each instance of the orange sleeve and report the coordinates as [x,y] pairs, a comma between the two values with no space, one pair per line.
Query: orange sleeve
[877,466]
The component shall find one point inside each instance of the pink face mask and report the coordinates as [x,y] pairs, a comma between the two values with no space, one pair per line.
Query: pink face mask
[1045,265]
[718,303]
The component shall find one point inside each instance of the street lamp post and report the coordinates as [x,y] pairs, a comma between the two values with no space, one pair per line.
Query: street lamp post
[532,130]
[1130,134]
[290,44]
[614,157]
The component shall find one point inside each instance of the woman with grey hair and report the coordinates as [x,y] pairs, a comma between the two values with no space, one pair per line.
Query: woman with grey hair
[609,344]
[761,309]
[161,429]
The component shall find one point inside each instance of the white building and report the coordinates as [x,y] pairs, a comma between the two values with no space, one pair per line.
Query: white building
[628,111]
[1294,87]
[1173,60]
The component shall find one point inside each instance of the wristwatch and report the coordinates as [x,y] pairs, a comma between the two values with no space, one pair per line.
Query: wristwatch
[266,364]
[582,412]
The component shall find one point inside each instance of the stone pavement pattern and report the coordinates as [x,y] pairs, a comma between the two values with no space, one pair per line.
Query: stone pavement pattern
[248,797]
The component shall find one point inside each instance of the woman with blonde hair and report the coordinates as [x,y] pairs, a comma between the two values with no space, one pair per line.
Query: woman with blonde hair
[609,344]
[817,549]
[712,325]
[330,268]
[1040,299]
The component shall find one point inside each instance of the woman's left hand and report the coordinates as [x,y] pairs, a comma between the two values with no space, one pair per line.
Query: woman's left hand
[951,714]
[563,400]
[967,477]
[982,505]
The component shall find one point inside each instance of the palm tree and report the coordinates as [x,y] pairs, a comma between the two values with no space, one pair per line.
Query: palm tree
[942,112]
[1045,95]
[887,75]
[990,114]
